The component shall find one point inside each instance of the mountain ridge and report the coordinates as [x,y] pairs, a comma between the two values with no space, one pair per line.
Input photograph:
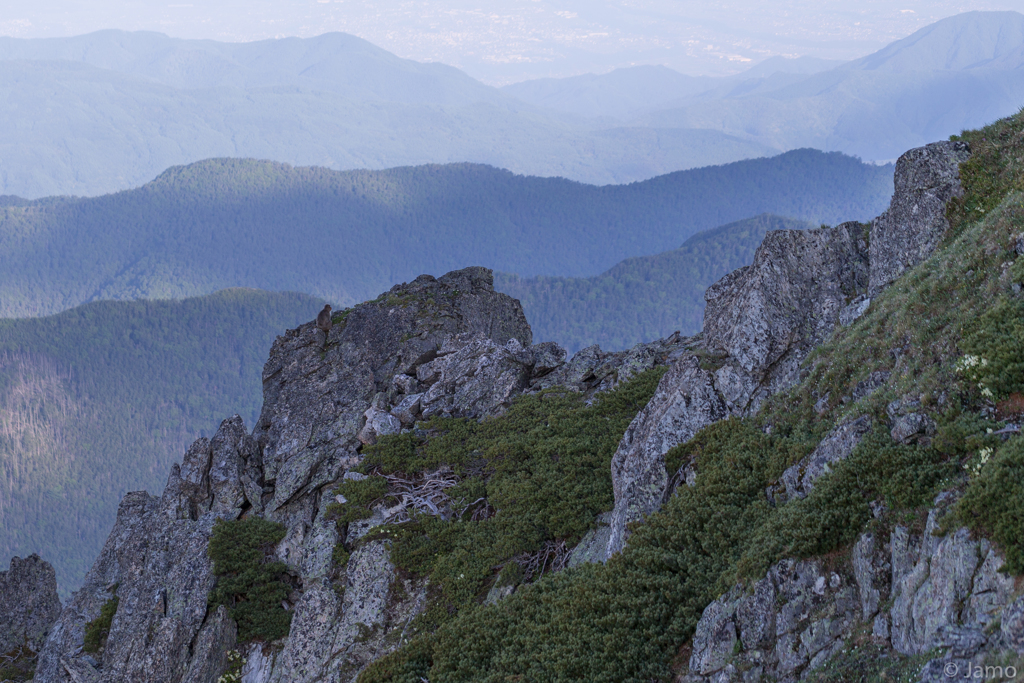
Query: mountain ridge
[170,237]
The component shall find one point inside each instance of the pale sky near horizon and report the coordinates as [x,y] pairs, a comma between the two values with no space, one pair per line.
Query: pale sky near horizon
[511,40]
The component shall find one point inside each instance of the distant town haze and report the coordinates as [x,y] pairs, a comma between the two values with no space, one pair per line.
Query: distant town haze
[513,40]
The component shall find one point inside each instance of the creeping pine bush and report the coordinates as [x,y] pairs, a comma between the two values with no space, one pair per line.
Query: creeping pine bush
[994,344]
[248,583]
[542,468]
[97,630]
[994,502]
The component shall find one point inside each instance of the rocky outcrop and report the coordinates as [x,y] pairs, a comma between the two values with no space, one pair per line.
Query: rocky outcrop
[915,593]
[316,401]
[28,603]
[792,621]
[798,481]
[685,402]
[926,179]
[449,346]
[155,563]
[761,321]
[764,319]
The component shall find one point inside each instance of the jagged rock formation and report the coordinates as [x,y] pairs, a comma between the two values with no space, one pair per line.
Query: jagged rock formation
[913,592]
[926,179]
[28,603]
[448,346]
[761,322]
[451,346]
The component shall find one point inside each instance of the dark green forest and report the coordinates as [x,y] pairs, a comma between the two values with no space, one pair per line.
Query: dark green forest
[101,399]
[642,298]
[346,236]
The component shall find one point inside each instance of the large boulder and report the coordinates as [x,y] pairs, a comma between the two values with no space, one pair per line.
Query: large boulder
[29,605]
[764,319]
[908,232]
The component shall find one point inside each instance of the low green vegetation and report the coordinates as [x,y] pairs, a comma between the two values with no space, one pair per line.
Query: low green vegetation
[19,665]
[642,298]
[529,485]
[994,501]
[102,399]
[97,630]
[626,620]
[249,584]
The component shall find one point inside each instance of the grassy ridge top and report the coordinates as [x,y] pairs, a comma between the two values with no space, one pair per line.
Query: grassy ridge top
[101,399]
[345,236]
[642,298]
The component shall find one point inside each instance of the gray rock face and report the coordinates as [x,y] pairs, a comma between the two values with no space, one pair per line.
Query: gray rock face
[926,178]
[916,593]
[592,370]
[792,621]
[798,480]
[155,562]
[941,582]
[29,605]
[765,318]
[684,402]
[315,402]
[473,378]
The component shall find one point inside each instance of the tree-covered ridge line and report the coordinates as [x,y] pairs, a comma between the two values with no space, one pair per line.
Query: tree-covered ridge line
[346,236]
[102,399]
[642,298]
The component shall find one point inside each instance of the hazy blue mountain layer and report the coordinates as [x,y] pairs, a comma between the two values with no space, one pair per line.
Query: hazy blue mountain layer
[642,298]
[111,110]
[958,73]
[101,399]
[346,236]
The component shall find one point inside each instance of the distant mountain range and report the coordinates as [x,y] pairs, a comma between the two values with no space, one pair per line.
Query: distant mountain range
[110,110]
[958,73]
[346,236]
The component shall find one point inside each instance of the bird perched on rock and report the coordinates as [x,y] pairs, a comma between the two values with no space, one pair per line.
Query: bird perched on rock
[323,322]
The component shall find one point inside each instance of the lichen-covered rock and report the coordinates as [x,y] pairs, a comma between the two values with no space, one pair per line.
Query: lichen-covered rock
[934,584]
[765,318]
[474,377]
[591,370]
[684,402]
[908,232]
[792,621]
[155,562]
[315,401]
[29,605]
[798,480]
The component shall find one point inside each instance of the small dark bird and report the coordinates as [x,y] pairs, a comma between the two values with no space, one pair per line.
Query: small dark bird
[323,322]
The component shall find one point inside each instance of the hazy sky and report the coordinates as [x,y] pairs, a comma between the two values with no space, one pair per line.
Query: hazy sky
[510,40]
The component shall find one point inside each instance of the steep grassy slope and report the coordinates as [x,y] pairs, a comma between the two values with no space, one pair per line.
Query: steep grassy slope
[642,298]
[101,399]
[346,236]
[948,331]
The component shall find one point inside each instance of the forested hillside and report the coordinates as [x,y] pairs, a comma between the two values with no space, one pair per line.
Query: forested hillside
[346,236]
[101,399]
[642,298]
